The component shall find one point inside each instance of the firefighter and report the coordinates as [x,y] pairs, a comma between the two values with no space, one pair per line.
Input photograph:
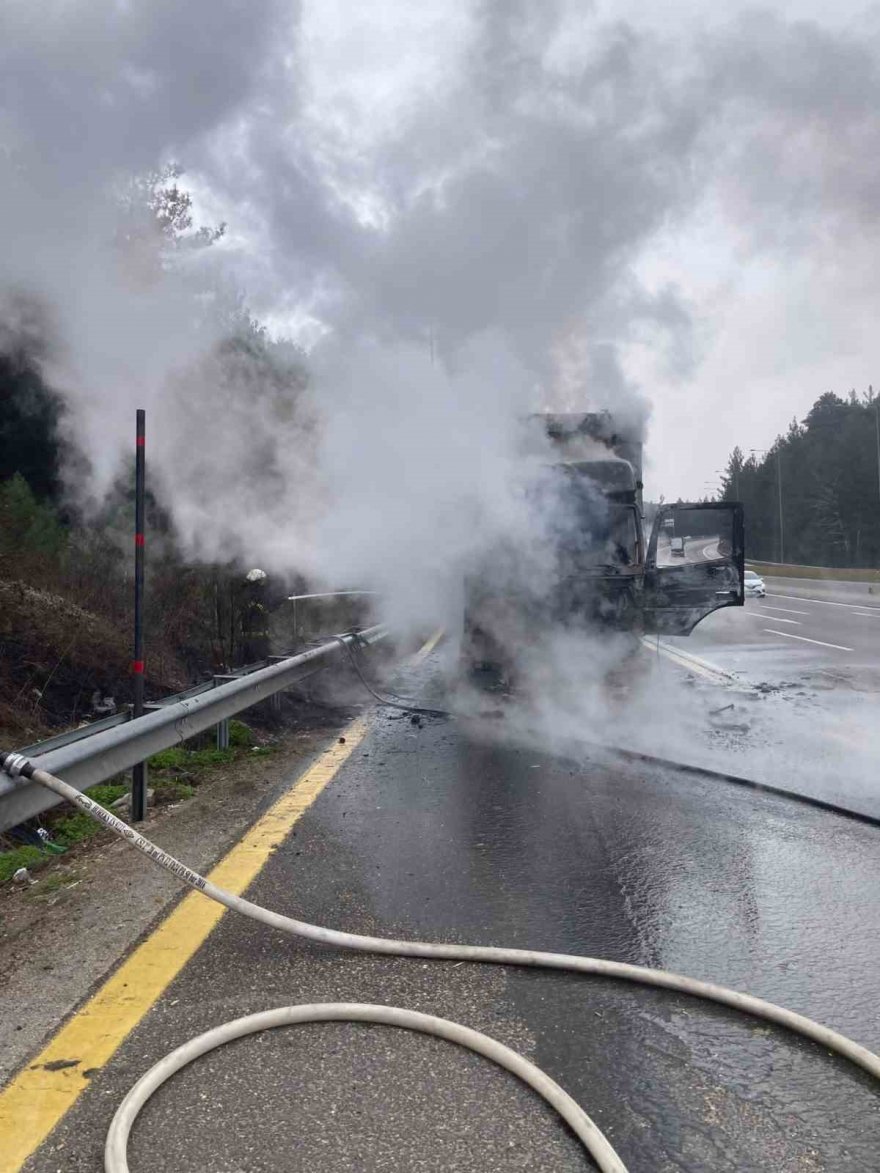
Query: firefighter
[255,617]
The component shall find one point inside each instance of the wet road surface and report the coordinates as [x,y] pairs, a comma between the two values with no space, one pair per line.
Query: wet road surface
[799,627]
[446,833]
[803,690]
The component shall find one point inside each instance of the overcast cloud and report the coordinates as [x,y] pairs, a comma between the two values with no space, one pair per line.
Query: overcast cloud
[673,218]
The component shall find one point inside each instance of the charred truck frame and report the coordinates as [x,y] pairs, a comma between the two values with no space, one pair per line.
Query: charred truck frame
[601,572]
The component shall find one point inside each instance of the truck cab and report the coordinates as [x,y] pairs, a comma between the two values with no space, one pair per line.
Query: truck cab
[680,589]
[690,565]
[602,572]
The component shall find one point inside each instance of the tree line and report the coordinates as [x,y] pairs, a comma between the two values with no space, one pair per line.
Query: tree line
[814,497]
[66,565]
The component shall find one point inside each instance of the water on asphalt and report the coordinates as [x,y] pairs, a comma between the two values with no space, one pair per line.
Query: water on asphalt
[450,832]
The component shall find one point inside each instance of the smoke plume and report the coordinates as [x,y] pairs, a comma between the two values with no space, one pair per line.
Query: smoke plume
[455,210]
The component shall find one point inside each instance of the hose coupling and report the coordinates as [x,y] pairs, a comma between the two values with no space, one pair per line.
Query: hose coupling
[17,765]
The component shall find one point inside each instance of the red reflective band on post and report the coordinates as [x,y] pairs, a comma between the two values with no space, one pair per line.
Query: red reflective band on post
[138,539]
[140,441]
[137,666]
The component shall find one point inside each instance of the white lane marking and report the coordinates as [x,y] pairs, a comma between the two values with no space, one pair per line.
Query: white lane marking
[826,602]
[868,614]
[821,643]
[776,619]
[787,610]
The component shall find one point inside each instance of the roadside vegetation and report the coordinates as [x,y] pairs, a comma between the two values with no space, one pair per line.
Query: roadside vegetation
[828,467]
[174,776]
[66,593]
[836,574]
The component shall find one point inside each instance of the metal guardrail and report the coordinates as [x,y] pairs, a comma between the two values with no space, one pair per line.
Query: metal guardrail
[85,757]
[306,617]
[71,735]
[331,595]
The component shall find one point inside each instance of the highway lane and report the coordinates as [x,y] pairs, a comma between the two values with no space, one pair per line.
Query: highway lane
[694,550]
[448,831]
[796,630]
[810,652]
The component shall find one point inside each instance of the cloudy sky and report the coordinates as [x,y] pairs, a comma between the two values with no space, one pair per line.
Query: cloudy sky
[667,210]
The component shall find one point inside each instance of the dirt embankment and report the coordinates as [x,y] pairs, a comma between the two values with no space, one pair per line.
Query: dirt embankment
[58,659]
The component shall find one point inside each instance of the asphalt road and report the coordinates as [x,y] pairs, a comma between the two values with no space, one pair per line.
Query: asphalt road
[449,832]
[695,550]
[810,653]
[799,625]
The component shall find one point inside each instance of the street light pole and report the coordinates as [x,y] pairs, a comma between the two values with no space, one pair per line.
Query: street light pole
[723,473]
[765,452]
[779,475]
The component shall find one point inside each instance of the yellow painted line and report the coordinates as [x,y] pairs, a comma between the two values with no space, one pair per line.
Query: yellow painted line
[34,1102]
[691,662]
[428,646]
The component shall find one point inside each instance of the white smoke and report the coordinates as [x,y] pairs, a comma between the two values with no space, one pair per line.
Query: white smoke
[451,205]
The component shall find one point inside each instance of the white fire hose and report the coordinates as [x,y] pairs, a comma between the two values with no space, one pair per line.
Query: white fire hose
[607,1160]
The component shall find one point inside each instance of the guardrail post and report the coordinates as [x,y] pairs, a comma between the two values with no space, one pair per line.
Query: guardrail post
[275,698]
[223,734]
[222,727]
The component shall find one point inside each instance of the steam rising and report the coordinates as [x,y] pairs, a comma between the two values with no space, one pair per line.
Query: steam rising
[454,209]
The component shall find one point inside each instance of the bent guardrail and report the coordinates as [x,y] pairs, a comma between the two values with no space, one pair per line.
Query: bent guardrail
[87,758]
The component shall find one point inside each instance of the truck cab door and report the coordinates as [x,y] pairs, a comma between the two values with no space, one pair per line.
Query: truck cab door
[694,566]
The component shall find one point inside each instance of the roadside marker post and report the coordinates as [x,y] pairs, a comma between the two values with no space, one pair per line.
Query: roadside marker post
[139,772]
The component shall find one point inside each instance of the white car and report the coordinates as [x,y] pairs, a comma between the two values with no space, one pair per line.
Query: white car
[754,585]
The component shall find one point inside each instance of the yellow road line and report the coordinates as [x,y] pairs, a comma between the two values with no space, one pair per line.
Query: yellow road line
[689,661]
[34,1102]
[428,646]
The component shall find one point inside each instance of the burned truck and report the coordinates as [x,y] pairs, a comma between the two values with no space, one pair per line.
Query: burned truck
[591,565]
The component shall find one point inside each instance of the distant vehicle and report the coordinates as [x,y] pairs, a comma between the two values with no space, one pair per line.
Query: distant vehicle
[676,547]
[754,585]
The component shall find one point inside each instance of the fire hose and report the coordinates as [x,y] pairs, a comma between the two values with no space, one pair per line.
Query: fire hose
[592,1139]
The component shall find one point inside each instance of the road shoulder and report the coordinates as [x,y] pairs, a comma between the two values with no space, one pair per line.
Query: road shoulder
[55,949]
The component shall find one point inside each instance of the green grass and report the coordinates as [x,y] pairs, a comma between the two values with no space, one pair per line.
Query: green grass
[53,883]
[178,758]
[71,829]
[241,734]
[66,831]
[165,770]
[21,857]
[108,792]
